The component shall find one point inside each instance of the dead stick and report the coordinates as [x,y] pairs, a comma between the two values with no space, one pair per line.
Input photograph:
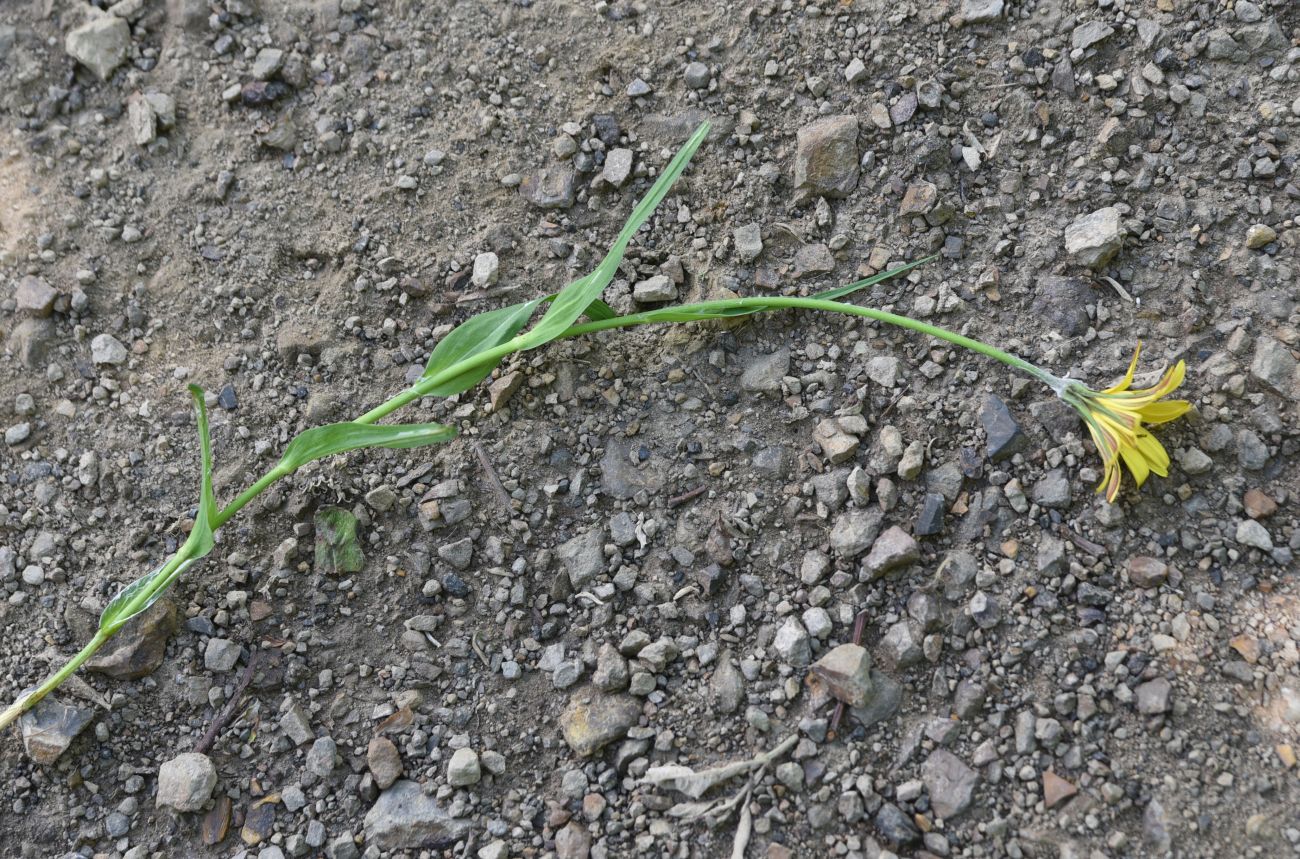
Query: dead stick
[223,718]
[497,488]
[678,500]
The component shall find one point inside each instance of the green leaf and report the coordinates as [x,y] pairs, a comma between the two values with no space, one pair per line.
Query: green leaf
[323,441]
[200,540]
[598,311]
[473,336]
[148,589]
[337,549]
[577,297]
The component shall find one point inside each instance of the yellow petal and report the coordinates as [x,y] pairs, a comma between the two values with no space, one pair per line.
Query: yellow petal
[1136,463]
[1128,377]
[1164,411]
[1154,452]
[1111,483]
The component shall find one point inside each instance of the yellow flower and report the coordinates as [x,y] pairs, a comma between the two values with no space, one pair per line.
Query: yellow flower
[1117,419]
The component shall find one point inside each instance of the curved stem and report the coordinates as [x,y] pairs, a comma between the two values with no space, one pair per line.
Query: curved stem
[26,702]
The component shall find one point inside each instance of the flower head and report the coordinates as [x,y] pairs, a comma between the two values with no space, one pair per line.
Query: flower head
[1117,419]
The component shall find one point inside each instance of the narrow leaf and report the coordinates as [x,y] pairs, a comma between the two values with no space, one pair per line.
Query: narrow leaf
[577,297]
[473,336]
[119,609]
[323,441]
[200,540]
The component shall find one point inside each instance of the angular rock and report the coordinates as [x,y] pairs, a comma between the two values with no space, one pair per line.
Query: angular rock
[845,673]
[594,719]
[384,761]
[929,521]
[221,654]
[1056,789]
[655,289]
[854,531]
[765,372]
[884,701]
[50,727]
[1062,302]
[463,769]
[892,550]
[101,44]
[895,825]
[814,258]
[583,557]
[107,349]
[186,781]
[1147,572]
[487,266]
[836,444]
[35,297]
[1251,533]
[549,188]
[900,648]
[573,842]
[1259,235]
[748,240]
[949,782]
[792,643]
[1153,696]
[1274,365]
[138,648]
[1090,33]
[826,158]
[1094,239]
[728,685]
[617,169]
[406,818]
[1052,490]
[981,11]
[1004,438]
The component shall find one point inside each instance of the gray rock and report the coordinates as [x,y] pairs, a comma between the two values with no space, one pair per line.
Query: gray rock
[487,267]
[1090,33]
[221,654]
[836,444]
[1153,697]
[549,188]
[30,340]
[463,768]
[1052,490]
[764,373]
[294,723]
[584,557]
[101,44]
[186,781]
[107,349]
[17,434]
[984,610]
[594,719]
[895,825]
[900,648]
[321,757]
[267,63]
[826,157]
[35,297]
[949,782]
[617,169]
[697,75]
[748,240]
[612,671]
[1147,572]
[1251,533]
[892,550]
[929,521]
[1156,826]
[728,685]
[885,699]
[981,11]
[50,727]
[1004,438]
[854,531]
[792,643]
[813,258]
[405,818]
[1252,453]
[845,673]
[1062,302]
[658,654]
[655,289]
[1274,365]
[1095,238]
[139,647]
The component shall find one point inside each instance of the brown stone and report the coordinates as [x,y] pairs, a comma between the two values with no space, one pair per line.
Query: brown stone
[500,391]
[1147,572]
[593,720]
[826,158]
[385,762]
[573,842]
[1056,789]
[138,649]
[845,673]
[1258,505]
[35,297]
[919,199]
[1247,646]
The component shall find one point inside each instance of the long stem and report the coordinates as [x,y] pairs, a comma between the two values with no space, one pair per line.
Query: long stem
[30,700]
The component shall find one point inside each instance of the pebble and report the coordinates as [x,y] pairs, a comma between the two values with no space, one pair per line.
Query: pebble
[1252,533]
[654,290]
[748,240]
[826,157]
[594,719]
[892,550]
[106,349]
[49,728]
[764,373]
[1094,239]
[186,782]
[384,761]
[463,768]
[221,654]
[949,782]
[792,643]
[697,75]
[406,818]
[486,268]
[1259,235]
[845,672]
[101,44]
[1003,435]
[35,297]
[321,757]
[1273,364]
[18,433]
[617,169]
[981,11]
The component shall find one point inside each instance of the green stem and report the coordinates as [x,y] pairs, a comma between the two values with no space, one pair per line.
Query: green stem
[25,703]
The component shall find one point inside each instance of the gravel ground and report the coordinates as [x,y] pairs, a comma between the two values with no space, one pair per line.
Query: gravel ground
[649,550]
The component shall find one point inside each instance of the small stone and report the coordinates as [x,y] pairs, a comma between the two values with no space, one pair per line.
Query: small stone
[1146,572]
[765,372]
[16,435]
[35,297]
[617,169]
[949,782]
[655,289]
[728,686]
[1004,438]
[845,672]
[836,444]
[583,557]
[107,349]
[549,188]
[1090,33]
[984,610]
[1252,533]
[384,761]
[1259,235]
[612,671]
[486,268]
[406,818]
[1056,789]
[573,842]
[321,757]
[883,703]
[638,88]
[792,643]
[855,71]
[1247,646]
[1195,461]
[900,648]
[1258,505]
[101,44]
[854,531]
[463,769]
[892,550]
[50,727]
[981,11]
[1094,239]
[593,720]
[929,521]
[267,62]
[748,240]
[221,654]
[895,826]
[1273,364]
[1052,490]
[502,389]
[697,75]
[1153,697]
[826,157]
[186,781]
